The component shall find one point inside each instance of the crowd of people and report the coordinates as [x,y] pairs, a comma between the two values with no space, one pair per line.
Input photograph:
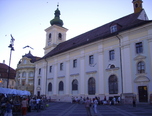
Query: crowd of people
[94,102]
[12,104]
[110,101]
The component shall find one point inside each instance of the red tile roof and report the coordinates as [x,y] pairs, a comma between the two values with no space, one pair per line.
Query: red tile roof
[128,22]
[4,71]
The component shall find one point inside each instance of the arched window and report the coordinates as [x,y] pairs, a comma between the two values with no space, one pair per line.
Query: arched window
[31,74]
[50,87]
[91,86]
[24,74]
[112,66]
[61,86]
[75,85]
[50,35]
[113,84]
[39,82]
[60,36]
[141,67]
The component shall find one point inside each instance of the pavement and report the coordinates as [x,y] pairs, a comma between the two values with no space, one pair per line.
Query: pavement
[69,109]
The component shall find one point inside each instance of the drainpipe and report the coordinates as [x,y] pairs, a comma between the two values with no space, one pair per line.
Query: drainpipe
[46,76]
[122,99]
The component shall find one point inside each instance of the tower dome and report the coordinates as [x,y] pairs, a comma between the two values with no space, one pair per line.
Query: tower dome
[57,20]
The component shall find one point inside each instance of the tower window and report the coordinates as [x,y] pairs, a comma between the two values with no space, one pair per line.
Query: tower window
[136,5]
[60,36]
[50,35]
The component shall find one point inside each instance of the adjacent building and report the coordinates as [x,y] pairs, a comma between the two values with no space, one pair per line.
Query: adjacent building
[25,73]
[112,60]
[7,76]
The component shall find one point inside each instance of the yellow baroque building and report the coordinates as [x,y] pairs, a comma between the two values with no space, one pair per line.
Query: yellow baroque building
[112,60]
[25,73]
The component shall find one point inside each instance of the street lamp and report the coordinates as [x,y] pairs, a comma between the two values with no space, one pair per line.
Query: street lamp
[11,49]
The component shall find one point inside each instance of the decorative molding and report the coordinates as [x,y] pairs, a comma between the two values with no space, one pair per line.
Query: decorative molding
[140,57]
[74,74]
[141,79]
[112,69]
[61,76]
[91,72]
[38,88]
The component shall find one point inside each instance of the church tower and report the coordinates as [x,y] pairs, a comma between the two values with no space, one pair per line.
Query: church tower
[56,33]
[137,5]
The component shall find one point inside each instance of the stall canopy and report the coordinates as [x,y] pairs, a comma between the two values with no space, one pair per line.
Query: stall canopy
[14,91]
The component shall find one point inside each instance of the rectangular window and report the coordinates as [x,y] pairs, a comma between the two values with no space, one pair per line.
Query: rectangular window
[50,69]
[111,55]
[91,59]
[75,63]
[39,71]
[23,82]
[139,48]
[113,28]
[61,66]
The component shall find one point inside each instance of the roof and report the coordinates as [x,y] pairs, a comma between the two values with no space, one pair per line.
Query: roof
[102,32]
[33,58]
[4,71]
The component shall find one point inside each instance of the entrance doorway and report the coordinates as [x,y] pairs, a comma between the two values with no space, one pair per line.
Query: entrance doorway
[142,91]
[38,93]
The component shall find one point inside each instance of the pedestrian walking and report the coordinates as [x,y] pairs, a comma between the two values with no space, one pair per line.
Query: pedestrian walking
[87,106]
[95,103]
[24,106]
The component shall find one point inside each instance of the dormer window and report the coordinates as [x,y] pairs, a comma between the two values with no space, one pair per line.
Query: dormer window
[113,28]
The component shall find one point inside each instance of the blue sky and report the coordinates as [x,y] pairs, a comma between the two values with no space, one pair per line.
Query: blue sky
[26,20]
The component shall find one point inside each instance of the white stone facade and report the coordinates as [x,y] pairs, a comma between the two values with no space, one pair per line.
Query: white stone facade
[100,69]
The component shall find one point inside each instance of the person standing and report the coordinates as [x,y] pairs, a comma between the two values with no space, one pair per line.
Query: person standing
[8,109]
[118,100]
[38,104]
[24,104]
[95,103]
[87,106]
[134,101]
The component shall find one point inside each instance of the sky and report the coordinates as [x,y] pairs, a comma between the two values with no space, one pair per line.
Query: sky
[26,20]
